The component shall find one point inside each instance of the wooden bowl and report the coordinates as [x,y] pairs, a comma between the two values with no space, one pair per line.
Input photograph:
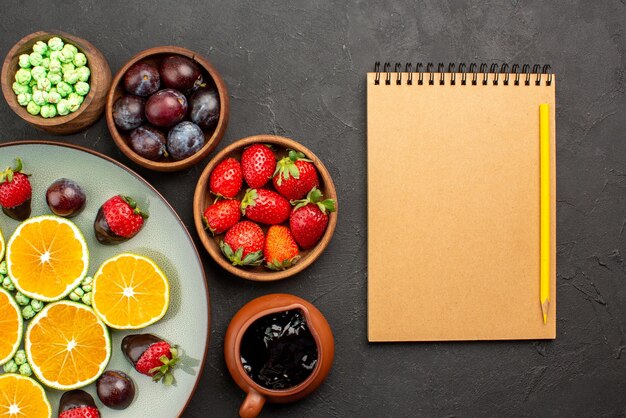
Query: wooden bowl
[99,81]
[154,56]
[203,198]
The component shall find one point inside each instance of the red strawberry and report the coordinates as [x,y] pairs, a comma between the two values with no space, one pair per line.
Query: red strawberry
[226,179]
[309,218]
[77,404]
[222,215]
[243,244]
[118,220]
[295,176]
[15,192]
[280,250]
[265,206]
[258,164]
[151,356]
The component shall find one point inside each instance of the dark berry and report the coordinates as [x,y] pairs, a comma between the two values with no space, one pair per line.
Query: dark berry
[115,389]
[204,108]
[148,142]
[65,198]
[142,79]
[129,112]
[184,140]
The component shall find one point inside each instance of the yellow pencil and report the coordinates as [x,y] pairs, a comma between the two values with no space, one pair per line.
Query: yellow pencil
[544,145]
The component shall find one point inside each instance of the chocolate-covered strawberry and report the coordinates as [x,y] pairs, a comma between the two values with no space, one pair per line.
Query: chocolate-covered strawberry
[258,164]
[77,404]
[150,355]
[226,179]
[222,215]
[15,192]
[295,176]
[118,220]
[265,206]
[309,218]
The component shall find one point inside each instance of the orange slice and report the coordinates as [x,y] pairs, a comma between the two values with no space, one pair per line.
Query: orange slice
[130,292]
[11,326]
[47,257]
[67,345]
[21,396]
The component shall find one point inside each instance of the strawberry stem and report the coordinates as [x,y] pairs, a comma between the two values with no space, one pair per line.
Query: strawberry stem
[249,199]
[286,167]
[315,196]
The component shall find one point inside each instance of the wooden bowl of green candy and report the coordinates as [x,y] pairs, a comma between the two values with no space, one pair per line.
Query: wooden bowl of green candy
[56,82]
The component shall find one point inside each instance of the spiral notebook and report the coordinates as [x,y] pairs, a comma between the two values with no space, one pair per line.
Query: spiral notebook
[454,202]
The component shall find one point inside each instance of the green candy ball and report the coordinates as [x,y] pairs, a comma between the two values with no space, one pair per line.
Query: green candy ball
[24,98]
[81,88]
[40,98]
[55,78]
[20,88]
[48,111]
[35,59]
[38,72]
[45,63]
[55,44]
[72,48]
[70,77]
[67,55]
[10,367]
[24,61]
[55,66]
[83,73]
[80,59]
[25,370]
[33,108]
[66,68]
[54,97]
[73,102]
[44,84]
[23,76]
[63,107]
[55,55]
[40,48]
[64,89]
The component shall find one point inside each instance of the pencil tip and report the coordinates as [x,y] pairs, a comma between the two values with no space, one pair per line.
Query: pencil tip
[544,310]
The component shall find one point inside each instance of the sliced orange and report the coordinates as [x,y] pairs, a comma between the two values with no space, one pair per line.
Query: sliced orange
[21,396]
[67,345]
[11,326]
[47,257]
[130,291]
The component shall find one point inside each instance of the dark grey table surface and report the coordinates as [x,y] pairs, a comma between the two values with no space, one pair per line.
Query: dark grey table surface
[297,68]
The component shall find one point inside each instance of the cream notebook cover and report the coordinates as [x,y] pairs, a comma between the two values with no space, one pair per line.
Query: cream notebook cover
[454,205]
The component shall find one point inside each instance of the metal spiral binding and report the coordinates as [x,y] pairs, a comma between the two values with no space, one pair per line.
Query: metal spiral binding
[501,73]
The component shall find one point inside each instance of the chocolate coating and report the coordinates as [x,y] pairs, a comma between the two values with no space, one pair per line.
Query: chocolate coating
[75,399]
[133,346]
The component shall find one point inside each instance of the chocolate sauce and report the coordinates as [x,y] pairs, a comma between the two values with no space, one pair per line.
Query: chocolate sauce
[19,212]
[278,351]
[75,399]
[133,346]
[104,235]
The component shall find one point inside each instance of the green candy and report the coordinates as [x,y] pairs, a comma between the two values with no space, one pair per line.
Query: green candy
[28,312]
[64,89]
[55,66]
[54,97]
[73,103]
[83,73]
[7,283]
[22,299]
[55,55]
[55,78]
[67,55]
[38,72]
[23,99]
[20,357]
[70,77]
[37,305]
[48,111]
[86,299]
[10,367]
[44,84]
[80,59]
[63,107]
[45,63]
[23,76]
[66,68]
[33,108]
[39,97]
[82,88]
[35,59]
[25,370]
[55,44]
[20,88]
[40,48]
[24,61]
[3,268]
[71,48]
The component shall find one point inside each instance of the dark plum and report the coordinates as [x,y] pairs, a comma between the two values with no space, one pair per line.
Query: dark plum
[166,108]
[65,198]
[204,108]
[129,112]
[180,73]
[115,389]
[184,140]
[142,79]
[148,142]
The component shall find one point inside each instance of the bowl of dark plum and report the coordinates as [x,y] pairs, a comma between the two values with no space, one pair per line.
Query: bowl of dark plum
[167,108]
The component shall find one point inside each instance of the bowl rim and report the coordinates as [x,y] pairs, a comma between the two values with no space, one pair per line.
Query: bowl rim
[215,138]
[202,190]
[12,98]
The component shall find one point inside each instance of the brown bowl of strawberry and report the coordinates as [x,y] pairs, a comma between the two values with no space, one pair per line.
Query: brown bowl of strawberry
[265,208]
